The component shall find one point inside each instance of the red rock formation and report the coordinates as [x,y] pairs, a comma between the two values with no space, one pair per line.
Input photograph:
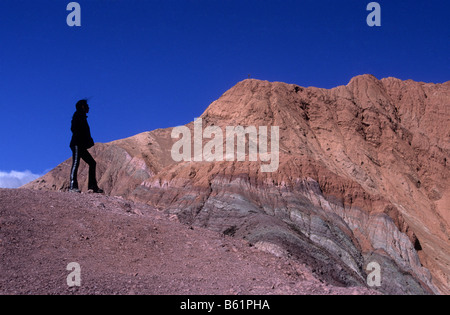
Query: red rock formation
[363,177]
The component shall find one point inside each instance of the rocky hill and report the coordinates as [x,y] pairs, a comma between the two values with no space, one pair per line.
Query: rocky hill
[362,177]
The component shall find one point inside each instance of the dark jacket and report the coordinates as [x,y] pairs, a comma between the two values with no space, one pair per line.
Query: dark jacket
[81,131]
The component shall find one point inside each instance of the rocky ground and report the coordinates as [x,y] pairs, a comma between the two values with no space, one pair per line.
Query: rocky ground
[130,248]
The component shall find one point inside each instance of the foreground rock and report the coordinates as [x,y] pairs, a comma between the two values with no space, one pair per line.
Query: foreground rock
[363,177]
[128,248]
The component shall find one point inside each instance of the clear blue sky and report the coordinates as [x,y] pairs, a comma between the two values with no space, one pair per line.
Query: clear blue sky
[151,64]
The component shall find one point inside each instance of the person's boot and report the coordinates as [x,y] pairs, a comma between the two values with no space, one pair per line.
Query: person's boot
[95,190]
[73,187]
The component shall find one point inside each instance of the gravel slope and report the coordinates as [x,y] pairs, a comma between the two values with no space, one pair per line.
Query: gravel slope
[130,248]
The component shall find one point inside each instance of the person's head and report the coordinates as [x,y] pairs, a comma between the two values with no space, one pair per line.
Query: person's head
[82,106]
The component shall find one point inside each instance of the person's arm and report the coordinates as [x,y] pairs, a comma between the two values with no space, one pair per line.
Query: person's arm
[81,132]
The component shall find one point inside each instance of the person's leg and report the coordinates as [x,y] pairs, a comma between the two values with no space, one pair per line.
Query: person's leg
[74,169]
[87,157]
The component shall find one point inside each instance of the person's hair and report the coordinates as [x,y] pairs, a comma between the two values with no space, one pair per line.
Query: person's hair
[81,104]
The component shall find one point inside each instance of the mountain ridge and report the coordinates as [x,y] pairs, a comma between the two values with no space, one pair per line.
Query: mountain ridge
[363,167]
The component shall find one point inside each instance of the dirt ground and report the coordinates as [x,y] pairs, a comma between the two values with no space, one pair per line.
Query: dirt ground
[129,248]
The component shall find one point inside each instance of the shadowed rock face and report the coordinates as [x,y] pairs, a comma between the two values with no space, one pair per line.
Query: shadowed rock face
[363,177]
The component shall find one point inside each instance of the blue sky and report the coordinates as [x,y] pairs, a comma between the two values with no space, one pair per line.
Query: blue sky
[150,64]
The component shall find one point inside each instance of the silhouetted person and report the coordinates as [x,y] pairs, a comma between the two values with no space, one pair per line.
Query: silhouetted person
[81,142]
